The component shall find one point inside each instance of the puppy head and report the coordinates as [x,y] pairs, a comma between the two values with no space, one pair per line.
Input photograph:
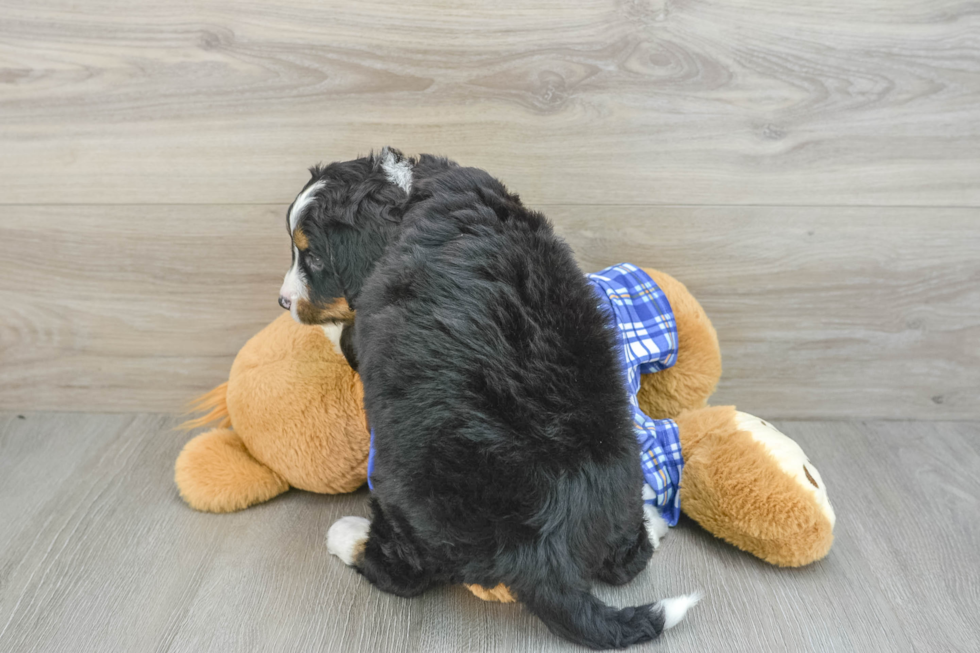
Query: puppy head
[340,224]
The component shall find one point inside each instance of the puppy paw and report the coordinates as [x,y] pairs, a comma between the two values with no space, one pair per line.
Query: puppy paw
[346,538]
[656,525]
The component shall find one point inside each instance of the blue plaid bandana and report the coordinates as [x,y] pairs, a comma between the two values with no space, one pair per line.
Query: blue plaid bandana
[648,335]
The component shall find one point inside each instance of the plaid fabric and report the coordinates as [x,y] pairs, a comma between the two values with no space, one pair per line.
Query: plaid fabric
[648,334]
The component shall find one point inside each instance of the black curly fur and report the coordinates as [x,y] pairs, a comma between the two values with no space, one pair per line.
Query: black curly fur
[504,444]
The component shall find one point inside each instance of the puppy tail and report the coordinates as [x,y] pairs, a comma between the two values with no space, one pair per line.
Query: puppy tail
[578,616]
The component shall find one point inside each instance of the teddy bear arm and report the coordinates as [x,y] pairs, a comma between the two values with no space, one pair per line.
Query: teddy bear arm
[693,377]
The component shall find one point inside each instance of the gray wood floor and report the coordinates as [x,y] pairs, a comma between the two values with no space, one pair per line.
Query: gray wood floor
[98,553]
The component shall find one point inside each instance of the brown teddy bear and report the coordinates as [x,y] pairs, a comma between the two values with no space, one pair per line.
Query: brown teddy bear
[290,415]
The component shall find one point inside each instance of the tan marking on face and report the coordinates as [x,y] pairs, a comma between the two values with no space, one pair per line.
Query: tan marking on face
[336,311]
[300,240]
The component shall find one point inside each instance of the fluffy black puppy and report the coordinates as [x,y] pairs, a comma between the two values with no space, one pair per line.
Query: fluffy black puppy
[503,443]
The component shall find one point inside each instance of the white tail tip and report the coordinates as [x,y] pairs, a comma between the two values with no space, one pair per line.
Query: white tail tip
[677,607]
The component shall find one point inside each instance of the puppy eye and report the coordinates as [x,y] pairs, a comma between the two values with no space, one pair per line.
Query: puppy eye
[315,262]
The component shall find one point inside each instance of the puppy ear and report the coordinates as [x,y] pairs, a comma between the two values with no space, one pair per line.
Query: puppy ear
[382,193]
[353,253]
[372,199]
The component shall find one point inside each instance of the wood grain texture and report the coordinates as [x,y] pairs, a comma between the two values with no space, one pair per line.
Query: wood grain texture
[98,553]
[581,102]
[131,306]
[821,312]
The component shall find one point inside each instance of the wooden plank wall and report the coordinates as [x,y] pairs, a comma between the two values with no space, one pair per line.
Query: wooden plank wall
[811,171]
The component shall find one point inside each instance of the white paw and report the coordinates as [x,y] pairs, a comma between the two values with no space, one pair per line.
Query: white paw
[656,525]
[346,538]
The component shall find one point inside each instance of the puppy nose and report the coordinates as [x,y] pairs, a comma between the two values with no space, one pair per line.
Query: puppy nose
[284,302]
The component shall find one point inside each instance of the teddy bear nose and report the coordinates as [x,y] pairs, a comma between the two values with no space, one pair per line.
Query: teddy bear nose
[284,302]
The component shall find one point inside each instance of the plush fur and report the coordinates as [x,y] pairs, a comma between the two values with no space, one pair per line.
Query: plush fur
[504,446]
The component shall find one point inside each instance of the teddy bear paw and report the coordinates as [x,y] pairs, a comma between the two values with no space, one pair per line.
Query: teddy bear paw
[346,538]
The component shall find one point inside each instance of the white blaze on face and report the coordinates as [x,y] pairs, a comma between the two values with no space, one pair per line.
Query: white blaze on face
[294,284]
